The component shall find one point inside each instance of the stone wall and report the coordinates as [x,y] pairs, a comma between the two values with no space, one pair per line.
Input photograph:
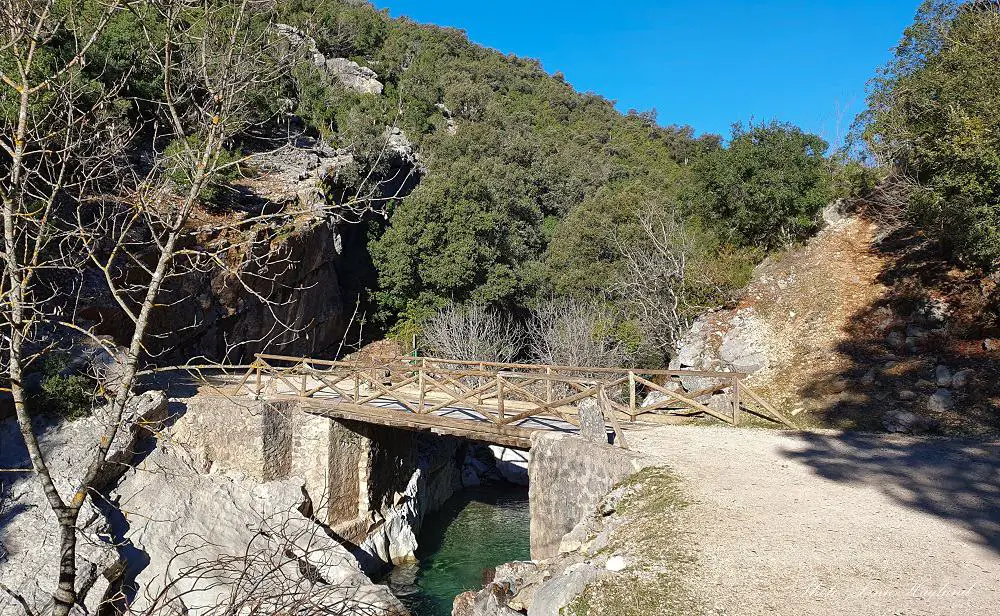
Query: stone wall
[370,485]
[568,478]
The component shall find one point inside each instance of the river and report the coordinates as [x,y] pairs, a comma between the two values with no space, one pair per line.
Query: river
[477,529]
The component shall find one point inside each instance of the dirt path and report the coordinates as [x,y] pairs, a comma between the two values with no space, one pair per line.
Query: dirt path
[824,523]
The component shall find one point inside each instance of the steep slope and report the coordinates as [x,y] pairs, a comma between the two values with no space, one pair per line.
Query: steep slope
[860,331]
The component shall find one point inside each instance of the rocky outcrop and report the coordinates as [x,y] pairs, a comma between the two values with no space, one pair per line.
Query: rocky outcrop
[191,538]
[349,74]
[29,544]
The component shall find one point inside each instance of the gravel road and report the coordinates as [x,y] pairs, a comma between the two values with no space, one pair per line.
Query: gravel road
[830,523]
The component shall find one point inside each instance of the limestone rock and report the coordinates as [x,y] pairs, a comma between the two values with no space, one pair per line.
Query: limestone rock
[616,563]
[896,339]
[201,532]
[836,212]
[29,542]
[906,395]
[349,74]
[716,341]
[940,401]
[555,594]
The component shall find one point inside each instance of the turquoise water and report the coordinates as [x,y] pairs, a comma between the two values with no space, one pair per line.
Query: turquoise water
[476,530]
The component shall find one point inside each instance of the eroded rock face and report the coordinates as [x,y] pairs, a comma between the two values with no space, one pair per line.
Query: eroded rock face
[29,532]
[349,74]
[201,534]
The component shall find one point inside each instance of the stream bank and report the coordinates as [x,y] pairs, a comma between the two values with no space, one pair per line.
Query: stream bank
[472,533]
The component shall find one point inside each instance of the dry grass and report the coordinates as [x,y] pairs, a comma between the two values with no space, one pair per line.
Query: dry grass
[656,582]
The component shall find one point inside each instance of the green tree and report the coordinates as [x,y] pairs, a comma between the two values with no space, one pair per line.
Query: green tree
[934,121]
[768,186]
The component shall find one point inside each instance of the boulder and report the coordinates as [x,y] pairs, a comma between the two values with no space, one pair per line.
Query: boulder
[896,339]
[962,378]
[940,401]
[907,422]
[836,211]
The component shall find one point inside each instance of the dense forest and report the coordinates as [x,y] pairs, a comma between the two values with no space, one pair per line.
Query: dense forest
[535,191]
[534,195]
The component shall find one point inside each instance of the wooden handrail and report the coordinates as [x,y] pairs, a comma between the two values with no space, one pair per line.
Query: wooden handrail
[502,393]
[410,360]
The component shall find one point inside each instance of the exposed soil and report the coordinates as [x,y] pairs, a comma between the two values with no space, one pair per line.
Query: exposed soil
[855,325]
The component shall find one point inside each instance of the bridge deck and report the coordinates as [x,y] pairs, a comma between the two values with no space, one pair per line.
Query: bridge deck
[491,402]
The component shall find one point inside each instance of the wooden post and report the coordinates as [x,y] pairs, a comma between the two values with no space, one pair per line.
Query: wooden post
[305,376]
[500,408]
[420,377]
[631,395]
[357,383]
[258,381]
[480,381]
[548,384]
[736,401]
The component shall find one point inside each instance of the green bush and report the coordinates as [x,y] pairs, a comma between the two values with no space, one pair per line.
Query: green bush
[768,186]
[71,396]
[934,117]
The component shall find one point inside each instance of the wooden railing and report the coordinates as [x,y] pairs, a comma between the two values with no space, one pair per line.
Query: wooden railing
[503,394]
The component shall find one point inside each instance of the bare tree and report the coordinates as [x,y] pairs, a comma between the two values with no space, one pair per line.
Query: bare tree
[472,332]
[661,284]
[568,332]
[74,196]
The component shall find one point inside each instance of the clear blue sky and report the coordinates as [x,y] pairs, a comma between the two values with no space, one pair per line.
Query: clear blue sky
[704,63]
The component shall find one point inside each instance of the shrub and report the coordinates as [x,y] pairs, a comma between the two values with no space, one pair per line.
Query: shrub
[769,186]
[473,332]
[69,396]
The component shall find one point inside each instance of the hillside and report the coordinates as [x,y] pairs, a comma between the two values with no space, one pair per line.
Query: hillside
[857,330]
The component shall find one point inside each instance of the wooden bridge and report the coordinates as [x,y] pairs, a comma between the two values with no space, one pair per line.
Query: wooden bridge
[488,401]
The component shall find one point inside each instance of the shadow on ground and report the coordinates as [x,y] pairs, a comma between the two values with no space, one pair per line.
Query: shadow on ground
[954,479]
